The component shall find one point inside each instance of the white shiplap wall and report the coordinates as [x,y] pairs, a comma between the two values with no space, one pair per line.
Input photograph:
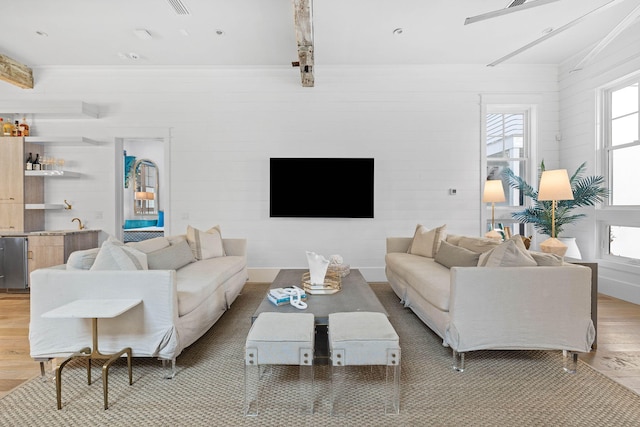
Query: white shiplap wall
[421,124]
[579,124]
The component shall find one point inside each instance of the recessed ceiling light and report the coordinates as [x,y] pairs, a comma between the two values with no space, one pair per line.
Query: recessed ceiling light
[134,56]
[42,33]
[220,32]
[142,34]
[398,31]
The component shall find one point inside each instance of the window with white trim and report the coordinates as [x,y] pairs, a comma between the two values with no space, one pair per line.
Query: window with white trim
[621,165]
[507,141]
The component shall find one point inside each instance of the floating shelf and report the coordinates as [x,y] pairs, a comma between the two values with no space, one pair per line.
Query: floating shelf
[63,140]
[59,174]
[50,109]
[43,206]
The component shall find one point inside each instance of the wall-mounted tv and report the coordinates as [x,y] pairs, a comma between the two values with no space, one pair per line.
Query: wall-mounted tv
[321,187]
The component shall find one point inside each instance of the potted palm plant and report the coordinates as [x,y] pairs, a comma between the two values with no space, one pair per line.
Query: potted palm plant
[587,191]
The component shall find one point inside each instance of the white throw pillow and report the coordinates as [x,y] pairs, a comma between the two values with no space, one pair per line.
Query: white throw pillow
[83,259]
[426,242]
[511,253]
[205,244]
[113,256]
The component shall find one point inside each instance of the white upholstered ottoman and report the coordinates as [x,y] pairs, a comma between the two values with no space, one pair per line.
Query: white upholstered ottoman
[364,338]
[279,339]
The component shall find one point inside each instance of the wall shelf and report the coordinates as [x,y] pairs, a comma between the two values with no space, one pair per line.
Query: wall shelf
[50,109]
[43,206]
[62,140]
[57,174]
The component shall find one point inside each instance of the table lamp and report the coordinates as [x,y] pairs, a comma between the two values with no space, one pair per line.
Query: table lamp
[554,186]
[493,192]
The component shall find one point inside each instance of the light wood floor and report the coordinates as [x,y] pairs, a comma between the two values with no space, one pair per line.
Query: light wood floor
[617,354]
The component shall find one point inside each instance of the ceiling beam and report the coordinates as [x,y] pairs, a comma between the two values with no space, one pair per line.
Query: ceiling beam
[506,10]
[303,19]
[13,72]
[623,25]
[553,33]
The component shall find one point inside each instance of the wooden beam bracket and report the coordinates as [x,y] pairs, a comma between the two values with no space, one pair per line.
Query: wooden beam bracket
[302,11]
[11,71]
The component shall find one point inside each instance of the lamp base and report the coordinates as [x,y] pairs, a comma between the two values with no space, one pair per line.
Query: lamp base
[493,234]
[553,246]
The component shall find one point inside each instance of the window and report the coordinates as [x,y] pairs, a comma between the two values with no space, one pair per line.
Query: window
[507,146]
[621,156]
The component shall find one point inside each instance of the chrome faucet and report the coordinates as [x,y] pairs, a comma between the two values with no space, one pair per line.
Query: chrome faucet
[80,226]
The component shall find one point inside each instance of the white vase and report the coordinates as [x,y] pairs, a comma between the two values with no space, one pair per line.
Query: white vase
[573,251]
[317,267]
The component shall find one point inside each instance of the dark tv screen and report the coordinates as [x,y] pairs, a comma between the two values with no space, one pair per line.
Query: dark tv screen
[321,187]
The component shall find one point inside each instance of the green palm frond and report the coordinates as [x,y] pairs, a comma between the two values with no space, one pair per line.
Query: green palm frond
[587,191]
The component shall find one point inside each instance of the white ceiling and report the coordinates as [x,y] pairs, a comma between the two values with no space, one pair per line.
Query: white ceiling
[261,32]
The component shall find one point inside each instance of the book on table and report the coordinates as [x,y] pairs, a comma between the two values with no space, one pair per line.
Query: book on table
[282,296]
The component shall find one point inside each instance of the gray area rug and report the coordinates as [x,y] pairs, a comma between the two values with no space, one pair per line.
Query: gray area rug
[498,388]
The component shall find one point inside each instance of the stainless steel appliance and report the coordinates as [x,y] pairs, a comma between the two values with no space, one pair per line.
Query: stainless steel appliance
[13,263]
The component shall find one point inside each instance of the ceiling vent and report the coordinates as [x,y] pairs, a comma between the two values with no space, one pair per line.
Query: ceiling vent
[516,3]
[178,7]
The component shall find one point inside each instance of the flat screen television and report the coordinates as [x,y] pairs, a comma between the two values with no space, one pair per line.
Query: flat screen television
[321,187]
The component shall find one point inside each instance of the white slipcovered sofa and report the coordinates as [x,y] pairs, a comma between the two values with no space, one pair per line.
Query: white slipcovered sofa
[185,282]
[476,293]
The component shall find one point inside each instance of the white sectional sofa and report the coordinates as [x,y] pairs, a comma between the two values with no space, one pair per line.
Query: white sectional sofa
[185,287]
[517,300]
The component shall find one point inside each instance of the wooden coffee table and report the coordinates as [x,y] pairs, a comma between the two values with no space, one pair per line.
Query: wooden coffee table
[356,295]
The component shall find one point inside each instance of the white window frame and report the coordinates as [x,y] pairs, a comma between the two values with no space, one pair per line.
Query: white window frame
[606,214]
[503,213]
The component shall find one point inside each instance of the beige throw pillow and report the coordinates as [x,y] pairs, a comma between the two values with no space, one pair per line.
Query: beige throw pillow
[150,245]
[511,253]
[545,259]
[426,242]
[477,244]
[205,244]
[172,257]
[454,256]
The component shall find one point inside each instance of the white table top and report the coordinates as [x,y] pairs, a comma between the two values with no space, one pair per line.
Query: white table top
[93,308]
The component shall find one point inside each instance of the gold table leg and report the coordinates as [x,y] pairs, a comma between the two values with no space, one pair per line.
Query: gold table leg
[89,354]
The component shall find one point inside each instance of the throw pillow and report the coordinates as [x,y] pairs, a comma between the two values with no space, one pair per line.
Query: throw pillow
[171,258]
[426,242]
[150,245]
[545,259]
[119,257]
[511,253]
[205,244]
[82,260]
[477,244]
[454,256]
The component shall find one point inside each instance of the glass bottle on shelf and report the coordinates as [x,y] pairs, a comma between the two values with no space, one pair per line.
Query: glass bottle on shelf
[15,131]
[36,163]
[24,127]
[7,128]
[29,162]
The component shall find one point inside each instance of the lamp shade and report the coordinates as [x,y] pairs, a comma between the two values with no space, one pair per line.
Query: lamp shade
[555,185]
[493,191]
[144,195]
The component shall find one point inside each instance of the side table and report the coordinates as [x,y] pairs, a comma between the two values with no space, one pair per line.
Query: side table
[93,309]
[594,295]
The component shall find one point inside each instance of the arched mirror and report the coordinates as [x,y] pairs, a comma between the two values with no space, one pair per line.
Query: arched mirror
[146,191]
